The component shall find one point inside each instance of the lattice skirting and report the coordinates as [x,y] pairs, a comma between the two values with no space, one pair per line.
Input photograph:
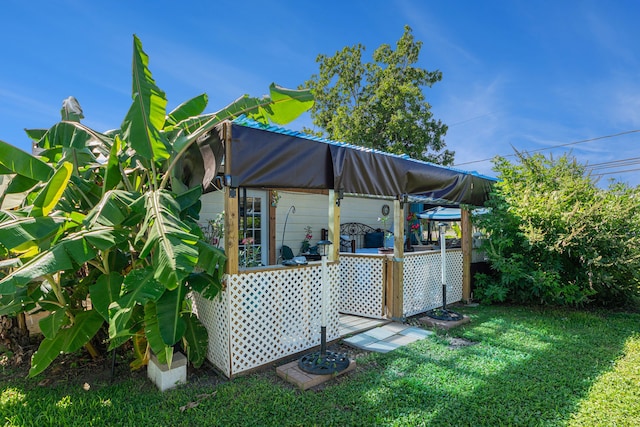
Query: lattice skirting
[422,281]
[269,315]
[214,315]
[362,284]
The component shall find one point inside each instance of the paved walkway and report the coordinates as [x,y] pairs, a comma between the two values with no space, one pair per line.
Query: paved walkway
[387,337]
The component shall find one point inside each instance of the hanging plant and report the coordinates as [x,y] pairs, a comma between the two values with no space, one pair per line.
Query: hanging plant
[275,198]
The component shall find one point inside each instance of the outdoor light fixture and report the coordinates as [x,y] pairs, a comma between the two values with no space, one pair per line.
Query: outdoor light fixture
[443,313]
[323,361]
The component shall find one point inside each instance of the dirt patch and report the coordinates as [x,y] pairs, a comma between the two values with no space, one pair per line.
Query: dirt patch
[455,343]
[80,370]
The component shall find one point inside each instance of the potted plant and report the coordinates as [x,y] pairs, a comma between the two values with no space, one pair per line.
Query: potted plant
[306,242]
[413,228]
[387,235]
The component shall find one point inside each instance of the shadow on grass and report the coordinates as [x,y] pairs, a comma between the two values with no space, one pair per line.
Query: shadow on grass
[530,367]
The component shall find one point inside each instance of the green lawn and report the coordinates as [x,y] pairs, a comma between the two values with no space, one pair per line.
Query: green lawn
[529,367]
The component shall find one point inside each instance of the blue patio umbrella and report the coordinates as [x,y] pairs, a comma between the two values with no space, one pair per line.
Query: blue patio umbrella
[440,213]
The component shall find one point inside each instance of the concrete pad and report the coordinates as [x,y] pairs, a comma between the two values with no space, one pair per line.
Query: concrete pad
[292,373]
[382,346]
[416,332]
[379,333]
[360,340]
[401,340]
[444,324]
[396,327]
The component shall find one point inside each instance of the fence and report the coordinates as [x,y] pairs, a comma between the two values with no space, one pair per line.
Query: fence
[265,315]
[422,283]
[362,285]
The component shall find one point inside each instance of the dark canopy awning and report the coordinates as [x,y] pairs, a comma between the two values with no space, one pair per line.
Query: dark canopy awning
[273,157]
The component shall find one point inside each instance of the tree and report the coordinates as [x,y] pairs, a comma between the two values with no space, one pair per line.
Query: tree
[120,233]
[556,238]
[379,104]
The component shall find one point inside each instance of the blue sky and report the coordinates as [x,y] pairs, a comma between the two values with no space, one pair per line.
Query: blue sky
[516,74]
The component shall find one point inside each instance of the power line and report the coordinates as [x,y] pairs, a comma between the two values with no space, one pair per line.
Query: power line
[614,163]
[616,172]
[557,146]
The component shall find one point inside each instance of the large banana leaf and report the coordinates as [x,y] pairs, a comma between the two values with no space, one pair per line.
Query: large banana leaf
[80,144]
[24,164]
[193,107]
[141,127]
[169,241]
[204,284]
[49,196]
[163,352]
[211,259]
[287,104]
[36,134]
[18,231]
[20,301]
[117,208]
[139,288]
[48,350]
[20,184]
[197,339]
[170,321]
[112,175]
[51,324]
[283,106]
[86,324]
[105,291]
[67,254]
[68,340]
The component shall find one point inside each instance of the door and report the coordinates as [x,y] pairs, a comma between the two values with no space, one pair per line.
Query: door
[254,224]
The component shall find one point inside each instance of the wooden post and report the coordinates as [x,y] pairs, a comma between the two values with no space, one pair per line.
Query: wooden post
[333,226]
[231,214]
[467,230]
[397,270]
[273,251]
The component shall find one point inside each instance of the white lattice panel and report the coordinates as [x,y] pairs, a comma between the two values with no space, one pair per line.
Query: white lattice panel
[214,315]
[362,285]
[422,281]
[276,313]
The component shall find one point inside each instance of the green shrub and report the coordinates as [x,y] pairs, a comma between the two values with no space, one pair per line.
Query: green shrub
[557,238]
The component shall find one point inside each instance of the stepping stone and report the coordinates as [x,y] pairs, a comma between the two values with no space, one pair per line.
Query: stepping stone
[379,333]
[360,341]
[382,346]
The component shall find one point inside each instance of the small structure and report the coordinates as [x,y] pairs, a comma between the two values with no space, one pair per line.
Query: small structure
[255,173]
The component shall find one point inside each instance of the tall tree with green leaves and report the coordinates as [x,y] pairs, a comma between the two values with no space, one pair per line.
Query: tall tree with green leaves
[379,104]
[100,231]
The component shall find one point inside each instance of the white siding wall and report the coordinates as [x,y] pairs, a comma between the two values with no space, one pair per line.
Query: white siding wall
[366,211]
[310,210]
[212,205]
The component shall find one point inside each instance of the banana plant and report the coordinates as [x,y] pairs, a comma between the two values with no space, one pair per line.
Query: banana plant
[105,236]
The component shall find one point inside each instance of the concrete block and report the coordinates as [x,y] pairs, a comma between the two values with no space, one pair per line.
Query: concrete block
[164,377]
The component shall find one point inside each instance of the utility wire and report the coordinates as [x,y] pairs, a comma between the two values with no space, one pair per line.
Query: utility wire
[614,163]
[616,172]
[557,146]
